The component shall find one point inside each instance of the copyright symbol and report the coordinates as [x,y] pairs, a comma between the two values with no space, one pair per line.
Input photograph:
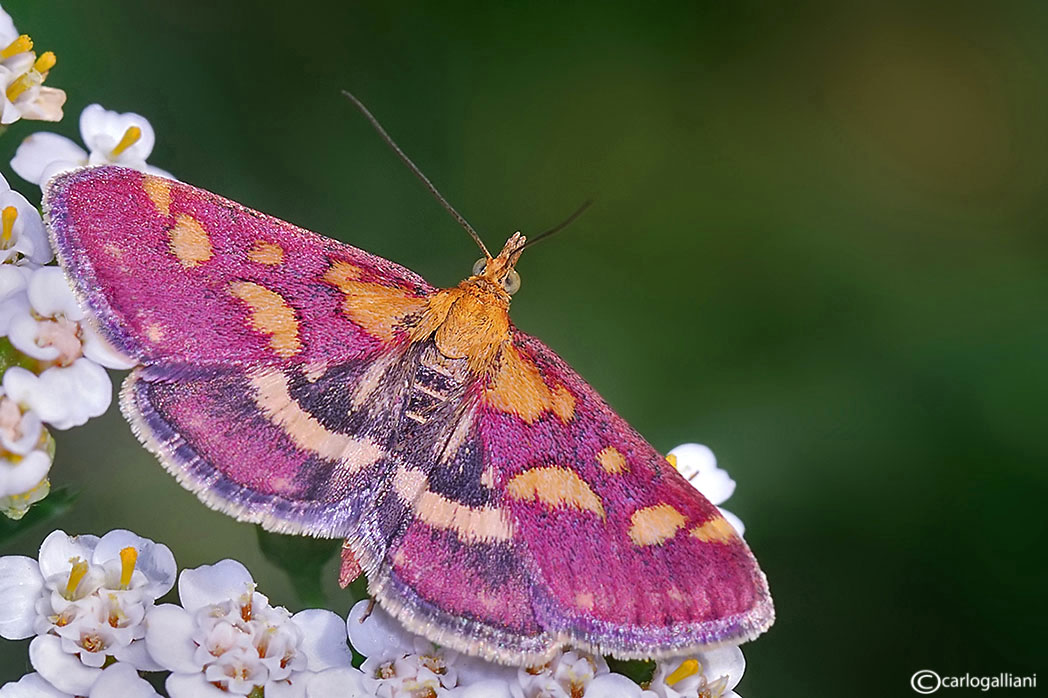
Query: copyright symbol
[925,681]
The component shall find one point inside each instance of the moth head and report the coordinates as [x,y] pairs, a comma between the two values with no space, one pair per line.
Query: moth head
[499,270]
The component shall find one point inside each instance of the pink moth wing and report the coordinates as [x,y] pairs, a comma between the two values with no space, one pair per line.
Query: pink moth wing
[503,514]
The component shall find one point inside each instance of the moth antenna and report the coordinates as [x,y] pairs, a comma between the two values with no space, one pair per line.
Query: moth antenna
[416,171]
[560,226]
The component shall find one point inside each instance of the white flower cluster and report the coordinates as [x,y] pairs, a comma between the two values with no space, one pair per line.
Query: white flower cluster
[84,602]
[401,665]
[227,638]
[89,605]
[52,362]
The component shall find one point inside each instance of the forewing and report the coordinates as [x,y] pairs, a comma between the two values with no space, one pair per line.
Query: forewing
[262,345]
[176,274]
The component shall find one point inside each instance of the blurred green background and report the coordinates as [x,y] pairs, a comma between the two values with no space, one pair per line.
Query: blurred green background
[819,246]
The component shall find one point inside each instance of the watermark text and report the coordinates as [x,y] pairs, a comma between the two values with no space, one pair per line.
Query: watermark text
[927,681]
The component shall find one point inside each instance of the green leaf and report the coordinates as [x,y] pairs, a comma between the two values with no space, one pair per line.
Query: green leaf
[55,505]
[302,558]
[9,356]
[639,670]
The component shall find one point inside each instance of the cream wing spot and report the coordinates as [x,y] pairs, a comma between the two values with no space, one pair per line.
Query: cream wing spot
[158,189]
[555,487]
[612,460]
[676,594]
[517,387]
[272,397]
[189,242]
[485,524]
[562,402]
[267,253]
[655,525]
[342,275]
[371,379]
[314,371]
[270,314]
[715,530]
[377,309]
[154,332]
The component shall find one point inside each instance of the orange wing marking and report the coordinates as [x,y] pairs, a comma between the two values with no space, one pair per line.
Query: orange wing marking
[189,242]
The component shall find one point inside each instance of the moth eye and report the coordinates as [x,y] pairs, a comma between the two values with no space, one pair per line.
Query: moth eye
[479,265]
[512,282]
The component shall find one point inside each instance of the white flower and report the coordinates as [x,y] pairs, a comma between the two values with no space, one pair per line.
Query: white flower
[400,664]
[111,138]
[698,465]
[490,688]
[407,677]
[24,458]
[122,680]
[85,599]
[8,33]
[22,75]
[341,682]
[15,506]
[375,634]
[117,680]
[21,228]
[63,396]
[48,330]
[568,674]
[31,686]
[53,328]
[227,639]
[40,316]
[473,670]
[616,686]
[14,279]
[713,673]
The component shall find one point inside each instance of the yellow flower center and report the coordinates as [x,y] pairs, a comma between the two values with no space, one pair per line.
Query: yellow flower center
[246,611]
[45,62]
[131,136]
[19,45]
[7,220]
[92,642]
[76,575]
[128,557]
[20,84]
[263,643]
[116,614]
[689,667]
[672,460]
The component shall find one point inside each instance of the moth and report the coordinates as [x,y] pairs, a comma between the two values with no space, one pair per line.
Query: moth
[496,503]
